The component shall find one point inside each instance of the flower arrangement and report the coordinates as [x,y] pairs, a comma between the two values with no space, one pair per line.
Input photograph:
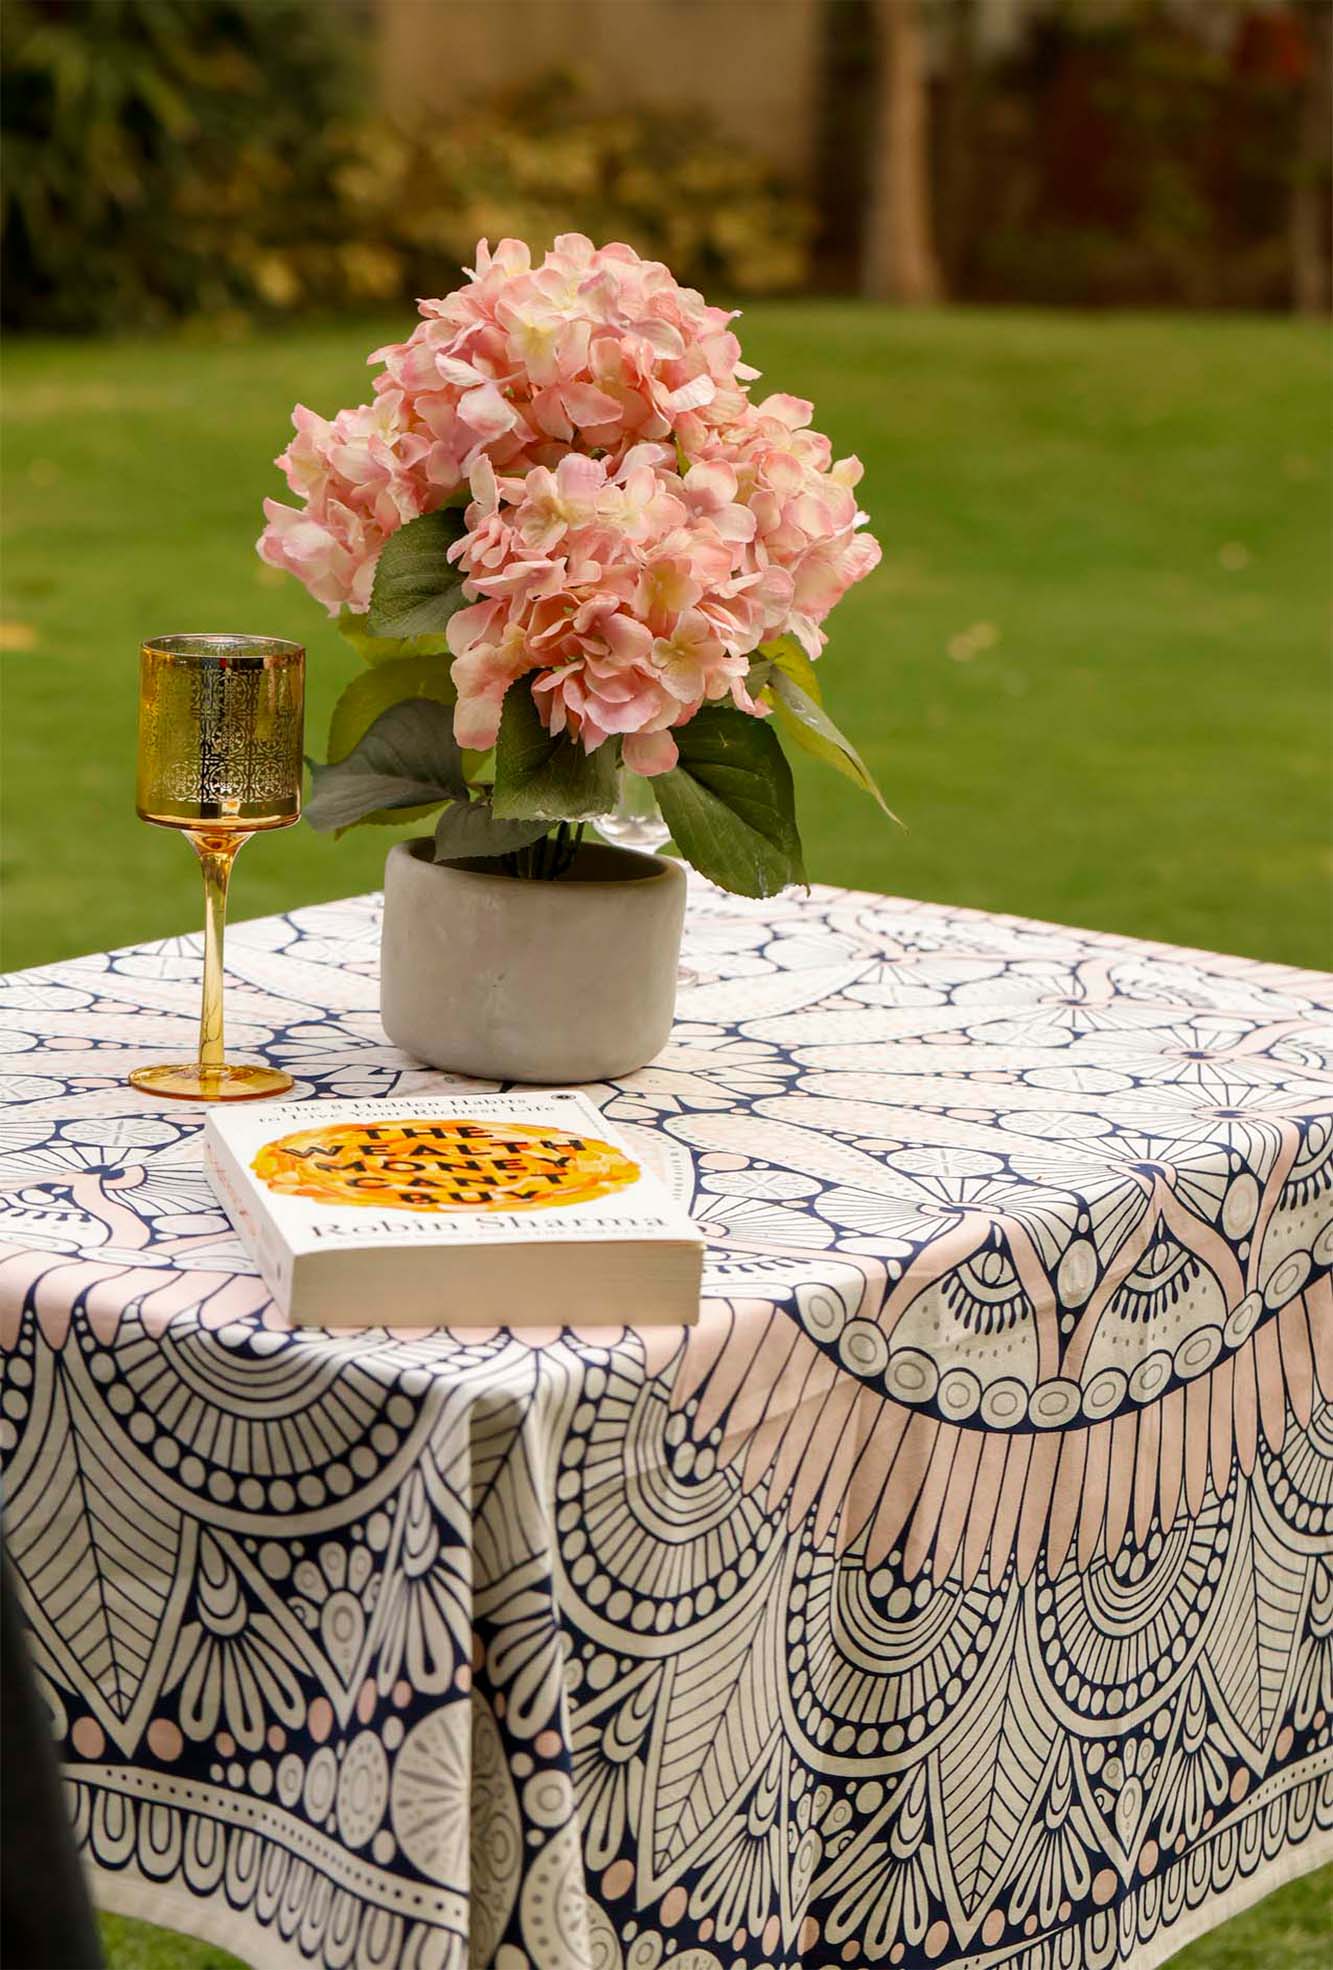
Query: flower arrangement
[569,543]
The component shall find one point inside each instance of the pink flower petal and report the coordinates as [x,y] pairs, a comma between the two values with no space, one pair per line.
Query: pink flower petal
[587,405]
[485,411]
[700,390]
[650,752]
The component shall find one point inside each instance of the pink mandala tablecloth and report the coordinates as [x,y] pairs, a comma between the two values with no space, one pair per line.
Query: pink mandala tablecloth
[959,1591]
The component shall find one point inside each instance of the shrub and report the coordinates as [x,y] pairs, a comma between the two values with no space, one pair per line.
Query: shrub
[168,158]
[151,149]
[536,161]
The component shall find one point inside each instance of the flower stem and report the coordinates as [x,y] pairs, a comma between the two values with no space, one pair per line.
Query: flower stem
[547,859]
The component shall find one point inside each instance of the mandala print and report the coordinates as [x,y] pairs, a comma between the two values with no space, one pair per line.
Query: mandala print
[958,1592]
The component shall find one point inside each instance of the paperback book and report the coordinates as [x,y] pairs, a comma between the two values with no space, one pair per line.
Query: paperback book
[453,1211]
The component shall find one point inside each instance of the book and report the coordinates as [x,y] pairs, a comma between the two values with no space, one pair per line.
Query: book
[452,1210]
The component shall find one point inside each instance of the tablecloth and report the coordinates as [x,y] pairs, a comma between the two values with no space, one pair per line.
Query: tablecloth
[958,1591]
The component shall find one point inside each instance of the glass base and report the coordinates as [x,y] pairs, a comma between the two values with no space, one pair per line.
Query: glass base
[191,1082]
[636,820]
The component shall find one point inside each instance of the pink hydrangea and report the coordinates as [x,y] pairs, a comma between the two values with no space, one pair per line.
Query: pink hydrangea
[360,478]
[638,525]
[625,592]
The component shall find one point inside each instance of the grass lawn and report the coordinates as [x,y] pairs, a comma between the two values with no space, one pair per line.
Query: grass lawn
[1091,674]
[138,1946]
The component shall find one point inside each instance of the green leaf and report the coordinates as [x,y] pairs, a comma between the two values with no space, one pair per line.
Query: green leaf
[730,803]
[416,589]
[785,654]
[408,759]
[479,767]
[806,723]
[392,817]
[469,827]
[539,776]
[373,691]
[387,649]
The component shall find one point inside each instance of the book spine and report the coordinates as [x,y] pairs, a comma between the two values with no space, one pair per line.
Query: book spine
[251,1222]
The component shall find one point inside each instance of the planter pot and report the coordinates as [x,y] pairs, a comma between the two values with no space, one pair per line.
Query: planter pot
[510,979]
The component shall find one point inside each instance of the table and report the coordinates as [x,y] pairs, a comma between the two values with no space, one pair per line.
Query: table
[958,1591]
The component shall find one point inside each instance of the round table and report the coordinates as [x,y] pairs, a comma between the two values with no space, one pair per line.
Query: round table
[958,1591]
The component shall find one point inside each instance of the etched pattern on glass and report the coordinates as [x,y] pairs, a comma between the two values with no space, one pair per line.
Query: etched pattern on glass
[248,737]
[218,740]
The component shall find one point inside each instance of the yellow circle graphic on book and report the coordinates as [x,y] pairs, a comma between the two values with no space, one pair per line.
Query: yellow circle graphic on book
[443,1166]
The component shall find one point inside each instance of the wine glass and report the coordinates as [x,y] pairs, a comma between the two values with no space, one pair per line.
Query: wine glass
[220,727]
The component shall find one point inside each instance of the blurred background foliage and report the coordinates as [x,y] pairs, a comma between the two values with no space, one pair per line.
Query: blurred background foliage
[227,159]
[165,159]
[1132,160]
[155,151]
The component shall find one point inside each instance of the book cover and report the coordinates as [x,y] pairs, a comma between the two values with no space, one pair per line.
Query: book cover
[452,1210]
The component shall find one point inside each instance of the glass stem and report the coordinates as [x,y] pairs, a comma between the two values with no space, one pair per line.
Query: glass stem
[216,854]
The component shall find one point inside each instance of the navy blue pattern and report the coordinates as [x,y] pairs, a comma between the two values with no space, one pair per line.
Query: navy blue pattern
[958,1591]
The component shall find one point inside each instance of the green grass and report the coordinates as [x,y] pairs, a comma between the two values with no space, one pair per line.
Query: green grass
[1288,1930]
[139,1946]
[1091,674]
[1133,509]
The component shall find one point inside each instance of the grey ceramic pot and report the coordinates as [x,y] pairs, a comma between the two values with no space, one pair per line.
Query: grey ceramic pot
[515,980]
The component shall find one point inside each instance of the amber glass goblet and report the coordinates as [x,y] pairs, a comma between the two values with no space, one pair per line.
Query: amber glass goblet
[220,727]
